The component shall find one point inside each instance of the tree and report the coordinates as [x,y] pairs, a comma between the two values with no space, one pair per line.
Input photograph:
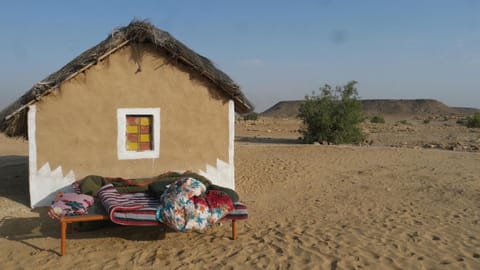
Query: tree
[334,115]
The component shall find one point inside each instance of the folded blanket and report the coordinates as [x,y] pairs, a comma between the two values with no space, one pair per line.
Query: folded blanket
[186,205]
[71,204]
[133,209]
[178,210]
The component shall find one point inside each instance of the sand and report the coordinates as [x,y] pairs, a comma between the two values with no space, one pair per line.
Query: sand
[311,207]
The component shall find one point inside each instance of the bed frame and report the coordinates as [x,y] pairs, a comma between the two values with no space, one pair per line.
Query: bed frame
[98,214]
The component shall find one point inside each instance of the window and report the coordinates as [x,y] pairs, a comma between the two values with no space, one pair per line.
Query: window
[138,133]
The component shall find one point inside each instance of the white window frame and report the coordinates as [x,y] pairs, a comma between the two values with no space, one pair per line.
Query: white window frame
[122,151]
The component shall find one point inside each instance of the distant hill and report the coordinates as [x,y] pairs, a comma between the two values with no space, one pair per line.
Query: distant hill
[285,109]
[384,107]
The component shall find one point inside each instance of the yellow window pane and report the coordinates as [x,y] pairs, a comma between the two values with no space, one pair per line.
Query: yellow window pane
[145,121]
[144,137]
[132,129]
[132,146]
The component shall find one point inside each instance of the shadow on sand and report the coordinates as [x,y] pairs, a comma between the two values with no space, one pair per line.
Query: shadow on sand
[267,140]
[14,178]
[14,187]
[27,228]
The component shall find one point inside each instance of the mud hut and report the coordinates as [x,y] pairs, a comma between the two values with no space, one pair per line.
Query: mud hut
[138,104]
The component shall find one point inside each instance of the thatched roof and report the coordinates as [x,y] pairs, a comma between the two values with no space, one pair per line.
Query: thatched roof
[13,120]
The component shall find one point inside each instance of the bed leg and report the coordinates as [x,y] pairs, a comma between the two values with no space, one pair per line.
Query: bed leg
[234,230]
[63,237]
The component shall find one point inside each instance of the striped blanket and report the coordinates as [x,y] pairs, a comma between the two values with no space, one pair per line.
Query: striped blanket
[139,209]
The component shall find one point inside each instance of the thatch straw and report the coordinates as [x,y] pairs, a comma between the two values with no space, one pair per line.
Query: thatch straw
[13,118]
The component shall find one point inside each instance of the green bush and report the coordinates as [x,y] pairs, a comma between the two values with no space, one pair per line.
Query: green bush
[377,119]
[333,115]
[426,121]
[251,116]
[474,122]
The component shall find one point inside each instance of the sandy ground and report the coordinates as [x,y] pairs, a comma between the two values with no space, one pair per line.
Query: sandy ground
[311,207]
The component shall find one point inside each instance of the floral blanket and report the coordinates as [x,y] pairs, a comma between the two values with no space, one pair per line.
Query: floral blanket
[186,205]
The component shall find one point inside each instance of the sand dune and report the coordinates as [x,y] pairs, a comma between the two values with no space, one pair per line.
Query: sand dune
[311,207]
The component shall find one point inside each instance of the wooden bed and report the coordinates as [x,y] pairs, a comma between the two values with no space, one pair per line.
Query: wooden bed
[131,209]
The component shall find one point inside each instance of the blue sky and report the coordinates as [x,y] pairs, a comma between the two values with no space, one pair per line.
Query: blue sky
[275,50]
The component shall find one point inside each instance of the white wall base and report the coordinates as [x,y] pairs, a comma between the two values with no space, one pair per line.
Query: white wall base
[45,183]
[220,175]
[224,173]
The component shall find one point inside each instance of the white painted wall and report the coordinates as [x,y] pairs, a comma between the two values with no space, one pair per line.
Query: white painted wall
[223,173]
[43,183]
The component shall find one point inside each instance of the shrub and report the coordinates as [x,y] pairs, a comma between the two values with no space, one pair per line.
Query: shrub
[474,121]
[251,116]
[377,119]
[332,116]
[426,121]
[404,122]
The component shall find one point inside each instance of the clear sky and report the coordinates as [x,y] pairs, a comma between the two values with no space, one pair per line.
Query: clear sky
[275,50]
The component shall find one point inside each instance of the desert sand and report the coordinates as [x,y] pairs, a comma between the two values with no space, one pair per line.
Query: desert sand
[396,202]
